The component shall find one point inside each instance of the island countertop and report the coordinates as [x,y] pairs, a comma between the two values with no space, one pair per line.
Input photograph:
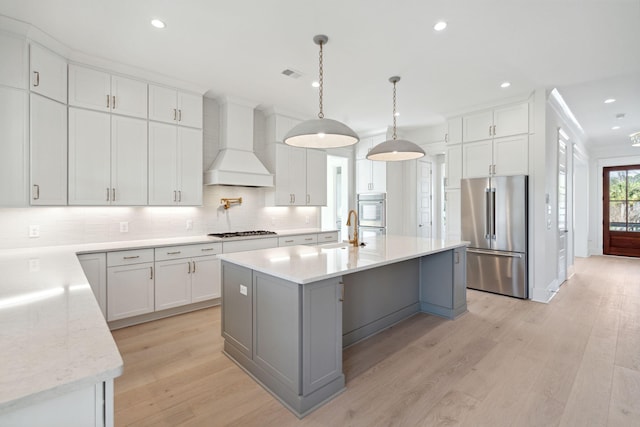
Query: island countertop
[307,264]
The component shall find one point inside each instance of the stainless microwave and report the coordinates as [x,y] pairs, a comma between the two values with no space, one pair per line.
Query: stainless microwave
[372,210]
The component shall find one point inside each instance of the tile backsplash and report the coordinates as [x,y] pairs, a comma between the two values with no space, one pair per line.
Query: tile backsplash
[73,225]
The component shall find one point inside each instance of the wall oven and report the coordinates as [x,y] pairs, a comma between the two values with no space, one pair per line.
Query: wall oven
[372,210]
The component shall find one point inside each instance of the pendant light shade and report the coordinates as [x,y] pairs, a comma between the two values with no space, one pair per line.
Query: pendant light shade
[321,132]
[395,149]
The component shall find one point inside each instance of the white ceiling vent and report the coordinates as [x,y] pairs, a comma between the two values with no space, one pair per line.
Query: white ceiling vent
[292,73]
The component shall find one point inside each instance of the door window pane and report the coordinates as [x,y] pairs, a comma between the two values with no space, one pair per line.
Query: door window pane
[633,184]
[617,216]
[634,216]
[617,185]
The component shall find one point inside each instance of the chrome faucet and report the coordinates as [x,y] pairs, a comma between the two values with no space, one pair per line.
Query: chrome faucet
[355,226]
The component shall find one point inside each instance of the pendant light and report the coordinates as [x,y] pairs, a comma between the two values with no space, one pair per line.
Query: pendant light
[395,149]
[635,139]
[321,132]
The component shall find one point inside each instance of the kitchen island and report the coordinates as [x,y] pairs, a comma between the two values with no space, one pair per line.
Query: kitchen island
[288,312]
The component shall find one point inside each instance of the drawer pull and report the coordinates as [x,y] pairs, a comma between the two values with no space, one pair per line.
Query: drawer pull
[131,257]
[36,83]
[189,264]
[288,241]
[151,274]
[308,239]
[194,266]
[328,237]
[173,253]
[206,249]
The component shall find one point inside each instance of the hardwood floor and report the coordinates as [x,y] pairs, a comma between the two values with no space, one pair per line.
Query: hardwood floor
[507,362]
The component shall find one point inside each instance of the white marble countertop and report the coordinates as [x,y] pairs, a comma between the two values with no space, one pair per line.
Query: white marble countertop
[53,337]
[307,264]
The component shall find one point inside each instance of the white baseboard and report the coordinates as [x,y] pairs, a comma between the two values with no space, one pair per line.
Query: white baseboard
[547,294]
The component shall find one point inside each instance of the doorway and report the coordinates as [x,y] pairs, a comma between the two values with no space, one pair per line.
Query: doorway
[425,199]
[334,215]
[621,210]
[563,227]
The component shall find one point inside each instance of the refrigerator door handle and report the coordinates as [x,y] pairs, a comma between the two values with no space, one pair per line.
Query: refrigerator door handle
[493,214]
[487,217]
[504,254]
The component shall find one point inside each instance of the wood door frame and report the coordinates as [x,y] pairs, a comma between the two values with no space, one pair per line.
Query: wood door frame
[608,249]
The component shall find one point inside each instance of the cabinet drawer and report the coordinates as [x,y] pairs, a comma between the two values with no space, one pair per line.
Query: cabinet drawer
[136,256]
[249,245]
[187,251]
[305,239]
[327,237]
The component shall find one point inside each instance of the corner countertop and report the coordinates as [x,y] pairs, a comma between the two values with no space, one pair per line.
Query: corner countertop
[53,336]
[307,264]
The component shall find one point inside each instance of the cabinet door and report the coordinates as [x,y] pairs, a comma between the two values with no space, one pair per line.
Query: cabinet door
[128,97]
[48,152]
[283,192]
[14,154]
[173,283]
[13,67]
[459,280]
[89,158]
[316,178]
[378,176]
[477,126]
[477,159]
[162,104]
[205,278]
[512,120]
[48,73]
[511,155]
[362,148]
[162,164]
[129,290]
[190,185]
[95,268]
[363,176]
[453,223]
[454,131]
[298,175]
[237,310]
[89,88]
[128,161]
[453,166]
[190,110]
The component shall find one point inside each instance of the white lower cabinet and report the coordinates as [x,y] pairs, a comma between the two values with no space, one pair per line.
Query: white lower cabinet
[130,283]
[95,268]
[186,274]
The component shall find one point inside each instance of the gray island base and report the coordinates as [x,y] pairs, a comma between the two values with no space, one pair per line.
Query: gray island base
[288,312]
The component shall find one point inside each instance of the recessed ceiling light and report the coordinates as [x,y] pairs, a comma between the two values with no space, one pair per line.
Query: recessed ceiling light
[615,128]
[315,84]
[440,25]
[157,23]
[505,85]
[609,100]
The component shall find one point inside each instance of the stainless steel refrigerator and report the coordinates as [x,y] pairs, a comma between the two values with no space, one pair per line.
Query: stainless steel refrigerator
[494,221]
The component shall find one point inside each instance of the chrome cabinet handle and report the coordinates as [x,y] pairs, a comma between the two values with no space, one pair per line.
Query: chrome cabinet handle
[107,194]
[151,274]
[194,266]
[179,195]
[494,130]
[175,114]
[288,241]
[131,257]
[308,239]
[113,102]
[446,137]
[457,257]
[113,194]
[173,253]
[206,249]
[108,101]
[36,82]
[37,188]
[489,130]
[328,237]
[189,264]
[341,292]
[179,115]
[174,196]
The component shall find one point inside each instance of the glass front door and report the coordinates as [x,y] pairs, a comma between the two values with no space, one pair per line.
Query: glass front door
[621,210]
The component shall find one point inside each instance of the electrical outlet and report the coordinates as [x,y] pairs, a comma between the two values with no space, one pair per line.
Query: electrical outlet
[124,227]
[243,290]
[34,231]
[306,219]
[189,224]
[34,265]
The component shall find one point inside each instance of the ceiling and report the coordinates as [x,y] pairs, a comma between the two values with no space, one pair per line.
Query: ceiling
[588,49]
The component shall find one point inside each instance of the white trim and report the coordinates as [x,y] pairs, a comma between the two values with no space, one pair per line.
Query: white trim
[545,295]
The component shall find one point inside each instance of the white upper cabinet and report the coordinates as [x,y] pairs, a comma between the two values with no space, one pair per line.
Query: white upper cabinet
[478,159]
[500,156]
[107,159]
[371,176]
[13,66]
[48,73]
[453,169]
[172,106]
[454,131]
[14,147]
[175,165]
[48,151]
[97,90]
[291,176]
[496,123]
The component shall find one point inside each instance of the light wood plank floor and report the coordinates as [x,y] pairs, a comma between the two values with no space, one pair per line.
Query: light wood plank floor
[507,362]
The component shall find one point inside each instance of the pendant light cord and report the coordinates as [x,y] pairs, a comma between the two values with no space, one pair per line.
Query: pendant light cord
[394,110]
[321,78]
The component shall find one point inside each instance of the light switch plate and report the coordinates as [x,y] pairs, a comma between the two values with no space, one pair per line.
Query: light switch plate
[124,227]
[189,224]
[34,265]
[243,289]
[34,231]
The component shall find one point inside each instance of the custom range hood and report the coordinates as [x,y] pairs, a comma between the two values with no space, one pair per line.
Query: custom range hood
[236,163]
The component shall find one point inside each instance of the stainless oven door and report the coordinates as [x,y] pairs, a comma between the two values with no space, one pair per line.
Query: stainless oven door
[372,213]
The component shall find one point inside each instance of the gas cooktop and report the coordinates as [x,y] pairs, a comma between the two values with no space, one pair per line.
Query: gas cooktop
[242,233]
